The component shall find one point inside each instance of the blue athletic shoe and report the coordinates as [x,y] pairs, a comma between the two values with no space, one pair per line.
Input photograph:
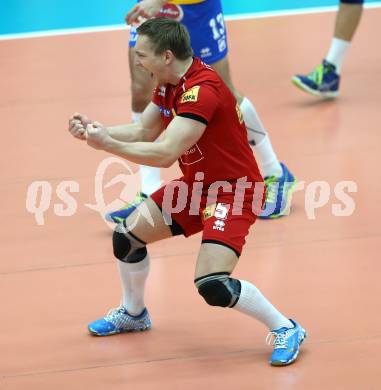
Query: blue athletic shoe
[278,194]
[119,321]
[286,343]
[323,81]
[121,214]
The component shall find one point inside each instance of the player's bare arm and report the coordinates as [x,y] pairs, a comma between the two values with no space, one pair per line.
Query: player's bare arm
[180,135]
[147,129]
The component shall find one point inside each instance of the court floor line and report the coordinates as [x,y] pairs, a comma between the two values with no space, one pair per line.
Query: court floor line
[132,363]
[252,351]
[291,12]
[176,255]
[256,15]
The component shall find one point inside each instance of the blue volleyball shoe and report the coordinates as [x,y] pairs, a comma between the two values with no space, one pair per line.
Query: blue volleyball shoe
[323,81]
[119,321]
[286,343]
[278,194]
[121,214]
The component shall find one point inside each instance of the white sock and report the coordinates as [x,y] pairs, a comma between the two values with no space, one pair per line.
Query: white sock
[149,176]
[260,141]
[150,179]
[253,303]
[255,130]
[133,277]
[337,52]
[267,159]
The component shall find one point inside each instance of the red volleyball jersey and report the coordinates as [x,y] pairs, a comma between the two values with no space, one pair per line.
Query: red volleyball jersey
[222,153]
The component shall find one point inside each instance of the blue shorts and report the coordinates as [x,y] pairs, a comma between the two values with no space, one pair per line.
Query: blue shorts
[205,23]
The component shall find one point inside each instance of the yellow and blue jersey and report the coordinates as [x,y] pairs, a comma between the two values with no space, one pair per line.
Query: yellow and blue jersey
[205,23]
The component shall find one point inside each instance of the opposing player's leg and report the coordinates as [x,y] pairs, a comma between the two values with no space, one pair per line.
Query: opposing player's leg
[143,226]
[217,259]
[209,41]
[280,182]
[324,80]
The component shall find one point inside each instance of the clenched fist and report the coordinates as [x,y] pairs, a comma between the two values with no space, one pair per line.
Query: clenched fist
[78,124]
[97,135]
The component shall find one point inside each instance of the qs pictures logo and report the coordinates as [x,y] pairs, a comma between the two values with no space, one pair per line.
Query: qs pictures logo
[40,193]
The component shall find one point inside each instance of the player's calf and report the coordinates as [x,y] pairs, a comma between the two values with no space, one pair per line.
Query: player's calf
[132,253]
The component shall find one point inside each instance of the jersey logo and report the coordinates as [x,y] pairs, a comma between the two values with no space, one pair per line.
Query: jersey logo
[161,91]
[191,95]
[192,156]
[239,114]
[219,225]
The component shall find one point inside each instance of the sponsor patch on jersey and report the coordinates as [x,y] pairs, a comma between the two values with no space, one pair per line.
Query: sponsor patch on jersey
[165,111]
[191,95]
[208,211]
[172,11]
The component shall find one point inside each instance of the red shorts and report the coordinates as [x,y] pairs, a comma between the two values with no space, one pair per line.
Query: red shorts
[221,221]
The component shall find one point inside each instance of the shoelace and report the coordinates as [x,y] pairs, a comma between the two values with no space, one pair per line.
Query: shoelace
[317,74]
[113,313]
[280,339]
[271,189]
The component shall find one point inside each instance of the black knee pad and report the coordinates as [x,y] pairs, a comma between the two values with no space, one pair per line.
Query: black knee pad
[127,247]
[219,289]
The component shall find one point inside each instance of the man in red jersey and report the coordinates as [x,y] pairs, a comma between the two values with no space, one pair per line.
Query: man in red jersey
[217,194]
[204,21]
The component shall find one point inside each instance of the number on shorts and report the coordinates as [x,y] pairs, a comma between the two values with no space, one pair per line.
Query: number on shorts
[218,27]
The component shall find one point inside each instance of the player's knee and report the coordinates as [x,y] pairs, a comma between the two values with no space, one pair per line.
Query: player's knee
[219,289]
[127,248]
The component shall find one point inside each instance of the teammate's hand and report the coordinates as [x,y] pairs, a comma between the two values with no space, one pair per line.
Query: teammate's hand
[97,135]
[77,126]
[143,10]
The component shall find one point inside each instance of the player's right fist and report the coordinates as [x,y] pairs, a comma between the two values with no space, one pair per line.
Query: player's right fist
[77,126]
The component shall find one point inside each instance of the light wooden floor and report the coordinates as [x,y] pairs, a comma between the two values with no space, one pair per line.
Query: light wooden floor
[324,272]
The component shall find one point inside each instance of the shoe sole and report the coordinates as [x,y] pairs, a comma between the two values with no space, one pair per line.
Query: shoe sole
[279,364]
[97,334]
[306,88]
